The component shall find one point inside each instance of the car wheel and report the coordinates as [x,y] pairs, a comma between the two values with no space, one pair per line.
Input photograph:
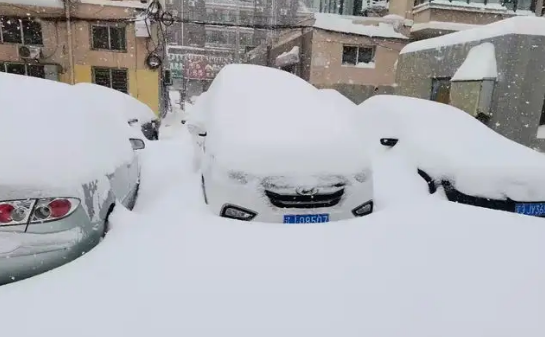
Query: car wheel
[204,190]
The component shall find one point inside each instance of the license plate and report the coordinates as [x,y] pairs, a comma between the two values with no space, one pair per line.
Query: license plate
[531,208]
[306,218]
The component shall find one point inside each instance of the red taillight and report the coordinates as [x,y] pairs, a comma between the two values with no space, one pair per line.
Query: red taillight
[59,207]
[5,212]
[30,211]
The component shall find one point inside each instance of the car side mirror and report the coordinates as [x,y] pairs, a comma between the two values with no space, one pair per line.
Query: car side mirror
[196,130]
[137,144]
[389,142]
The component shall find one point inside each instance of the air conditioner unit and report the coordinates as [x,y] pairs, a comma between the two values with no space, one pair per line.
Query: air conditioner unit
[260,9]
[283,11]
[30,52]
[192,3]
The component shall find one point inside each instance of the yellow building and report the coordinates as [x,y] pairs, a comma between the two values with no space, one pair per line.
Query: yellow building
[97,41]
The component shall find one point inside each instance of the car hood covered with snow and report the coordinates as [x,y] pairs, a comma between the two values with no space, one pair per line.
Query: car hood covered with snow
[267,121]
[450,144]
[118,102]
[48,144]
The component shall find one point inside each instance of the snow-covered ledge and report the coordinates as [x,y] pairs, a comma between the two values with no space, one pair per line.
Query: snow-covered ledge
[480,64]
[288,58]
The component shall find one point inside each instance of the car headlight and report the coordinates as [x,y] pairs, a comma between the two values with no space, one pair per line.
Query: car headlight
[363,209]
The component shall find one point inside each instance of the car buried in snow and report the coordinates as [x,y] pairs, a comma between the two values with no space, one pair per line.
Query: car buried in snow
[73,163]
[271,148]
[137,114]
[456,154]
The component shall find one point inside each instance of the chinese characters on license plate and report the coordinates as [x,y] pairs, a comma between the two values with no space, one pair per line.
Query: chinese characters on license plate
[306,218]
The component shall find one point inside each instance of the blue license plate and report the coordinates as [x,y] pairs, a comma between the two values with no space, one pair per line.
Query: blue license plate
[530,208]
[306,218]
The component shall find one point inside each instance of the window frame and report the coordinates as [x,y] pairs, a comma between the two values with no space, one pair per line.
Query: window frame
[22,31]
[109,26]
[3,68]
[358,47]
[110,76]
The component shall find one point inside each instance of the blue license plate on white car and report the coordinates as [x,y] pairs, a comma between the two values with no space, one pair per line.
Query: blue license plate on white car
[530,208]
[306,218]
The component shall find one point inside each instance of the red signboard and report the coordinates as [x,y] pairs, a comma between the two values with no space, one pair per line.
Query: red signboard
[203,67]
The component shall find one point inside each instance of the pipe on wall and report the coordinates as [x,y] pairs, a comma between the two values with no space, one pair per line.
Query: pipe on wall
[69,38]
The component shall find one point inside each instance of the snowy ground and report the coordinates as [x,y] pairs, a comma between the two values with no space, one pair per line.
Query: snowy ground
[423,267]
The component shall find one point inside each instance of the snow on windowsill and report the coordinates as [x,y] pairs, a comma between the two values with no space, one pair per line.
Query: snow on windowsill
[480,64]
[349,25]
[460,5]
[123,3]
[450,26]
[522,25]
[38,3]
[369,65]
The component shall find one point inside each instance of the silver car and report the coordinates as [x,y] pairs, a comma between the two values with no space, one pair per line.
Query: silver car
[61,182]
[44,229]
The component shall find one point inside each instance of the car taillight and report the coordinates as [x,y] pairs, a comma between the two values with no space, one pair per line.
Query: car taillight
[20,212]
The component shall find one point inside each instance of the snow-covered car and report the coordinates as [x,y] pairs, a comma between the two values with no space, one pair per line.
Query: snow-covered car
[456,152]
[342,102]
[136,113]
[72,163]
[273,150]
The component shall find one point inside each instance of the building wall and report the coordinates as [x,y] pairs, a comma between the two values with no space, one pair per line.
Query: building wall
[356,83]
[143,83]
[327,50]
[519,91]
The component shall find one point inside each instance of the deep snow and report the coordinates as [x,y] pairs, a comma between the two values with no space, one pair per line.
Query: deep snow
[51,145]
[169,268]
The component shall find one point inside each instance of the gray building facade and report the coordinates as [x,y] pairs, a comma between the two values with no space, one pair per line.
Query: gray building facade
[512,103]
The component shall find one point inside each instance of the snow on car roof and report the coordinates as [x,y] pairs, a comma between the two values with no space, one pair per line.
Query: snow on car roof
[449,143]
[268,121]
[125,104]
[521,25]
[53,136]
[339,100]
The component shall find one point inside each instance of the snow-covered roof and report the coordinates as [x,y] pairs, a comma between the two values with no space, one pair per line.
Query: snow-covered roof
[39,3]
[480,64]
[521,25]
[350,25]
[289,57]
[450,26]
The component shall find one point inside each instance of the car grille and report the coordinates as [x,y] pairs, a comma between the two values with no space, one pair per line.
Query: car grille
[304,201]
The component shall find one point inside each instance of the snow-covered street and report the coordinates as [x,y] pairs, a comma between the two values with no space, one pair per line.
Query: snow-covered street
[170,268]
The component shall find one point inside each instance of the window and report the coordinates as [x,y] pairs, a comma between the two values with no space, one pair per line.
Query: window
[34,70]
[109,37]
[440,90]
[216,37]
[112,78]
[358,55]
[246,39]
[24,31]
